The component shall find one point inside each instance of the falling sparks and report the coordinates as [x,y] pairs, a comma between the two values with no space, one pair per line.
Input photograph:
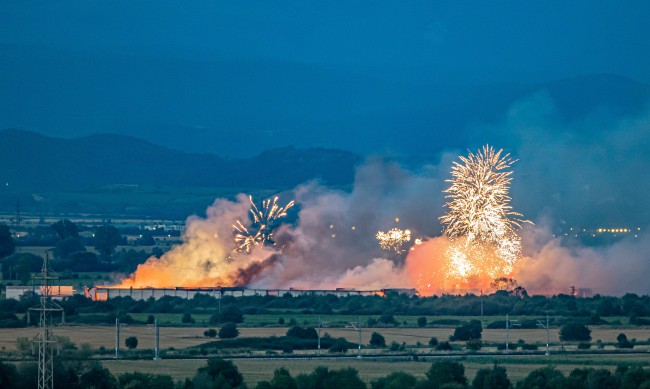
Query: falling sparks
[261,229]
[393,239]
[480,225]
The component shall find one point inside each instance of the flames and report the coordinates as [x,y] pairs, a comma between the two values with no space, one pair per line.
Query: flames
[479,243]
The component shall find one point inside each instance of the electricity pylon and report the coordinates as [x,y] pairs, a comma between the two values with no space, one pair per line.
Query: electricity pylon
[45,338]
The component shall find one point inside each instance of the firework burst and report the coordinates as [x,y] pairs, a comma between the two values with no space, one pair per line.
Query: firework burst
[261,229]
[480,222]
[393,239]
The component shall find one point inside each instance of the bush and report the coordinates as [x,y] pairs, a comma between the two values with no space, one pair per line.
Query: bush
[228,331]
[623,342]
[211,333]
[422,321]
[131,342]
[219,373]
[302,333]
[471,330]
[230,314]
[495,378]
[443,346]
[394,381]
[340,346]
[187,318]
[377,340]
[387,318]
[575,332]
[584,346]
[474,344]
[433,342]
[447,374]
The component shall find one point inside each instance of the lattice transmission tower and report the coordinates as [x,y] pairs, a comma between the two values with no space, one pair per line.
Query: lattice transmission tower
[45,340]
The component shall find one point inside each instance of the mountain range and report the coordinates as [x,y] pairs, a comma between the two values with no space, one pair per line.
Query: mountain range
[33,162]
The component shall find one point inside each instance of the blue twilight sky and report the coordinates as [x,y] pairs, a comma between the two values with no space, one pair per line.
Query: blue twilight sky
[237,77]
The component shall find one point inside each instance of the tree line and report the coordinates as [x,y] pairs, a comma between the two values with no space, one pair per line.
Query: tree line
[224,374]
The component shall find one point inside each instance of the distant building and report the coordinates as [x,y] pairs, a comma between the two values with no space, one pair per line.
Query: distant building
[57,291]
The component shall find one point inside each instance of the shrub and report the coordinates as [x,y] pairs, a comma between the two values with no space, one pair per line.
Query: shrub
[474,344]
[433,342]
[131,342]
[187,318]
[495,378]
[471,330]
[422,321]
[377,340]
[575,332]
[211,333]
[447,374]
[584,346]
[302,333]
[623,342]
[387,318]
[339,346]
[228,331]
[443,346]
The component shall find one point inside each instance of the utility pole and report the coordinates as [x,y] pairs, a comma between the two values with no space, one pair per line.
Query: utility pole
[357,326]
[156,356]
[117,337]
[546,327]
[508,325]
[45,338]
[507,328]
[321,324]
[118,326]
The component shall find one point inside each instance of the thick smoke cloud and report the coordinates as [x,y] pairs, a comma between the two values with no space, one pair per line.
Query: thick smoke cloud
[591,172]
[333,244]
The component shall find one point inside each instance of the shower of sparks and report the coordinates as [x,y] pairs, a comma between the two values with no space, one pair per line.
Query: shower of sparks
[480,221]
[393,239]
[261,229]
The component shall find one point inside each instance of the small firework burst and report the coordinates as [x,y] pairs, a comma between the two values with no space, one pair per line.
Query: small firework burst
[393,239]
[261,229]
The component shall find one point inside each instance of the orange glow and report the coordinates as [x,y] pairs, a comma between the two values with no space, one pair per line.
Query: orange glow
[441,265]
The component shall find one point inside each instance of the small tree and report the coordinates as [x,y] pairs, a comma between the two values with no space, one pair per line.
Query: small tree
[228,331]
[422,321]
[187,318]
[433,342]
[575,332]
[623,342]
[474,344]
[222,373]
[446,373]
[377,340]
[106,240]
[339,346]
[471,330]
[232,314]
[495,378]
[131,342]
[211,333]
[387,318]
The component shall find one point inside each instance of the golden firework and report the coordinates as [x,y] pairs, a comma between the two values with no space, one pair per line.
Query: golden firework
[393,239]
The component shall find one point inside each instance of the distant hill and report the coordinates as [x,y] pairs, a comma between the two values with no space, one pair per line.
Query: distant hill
[240,106]
[30,161]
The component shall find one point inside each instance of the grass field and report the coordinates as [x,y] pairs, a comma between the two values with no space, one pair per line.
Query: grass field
[256,370]
[180,337]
